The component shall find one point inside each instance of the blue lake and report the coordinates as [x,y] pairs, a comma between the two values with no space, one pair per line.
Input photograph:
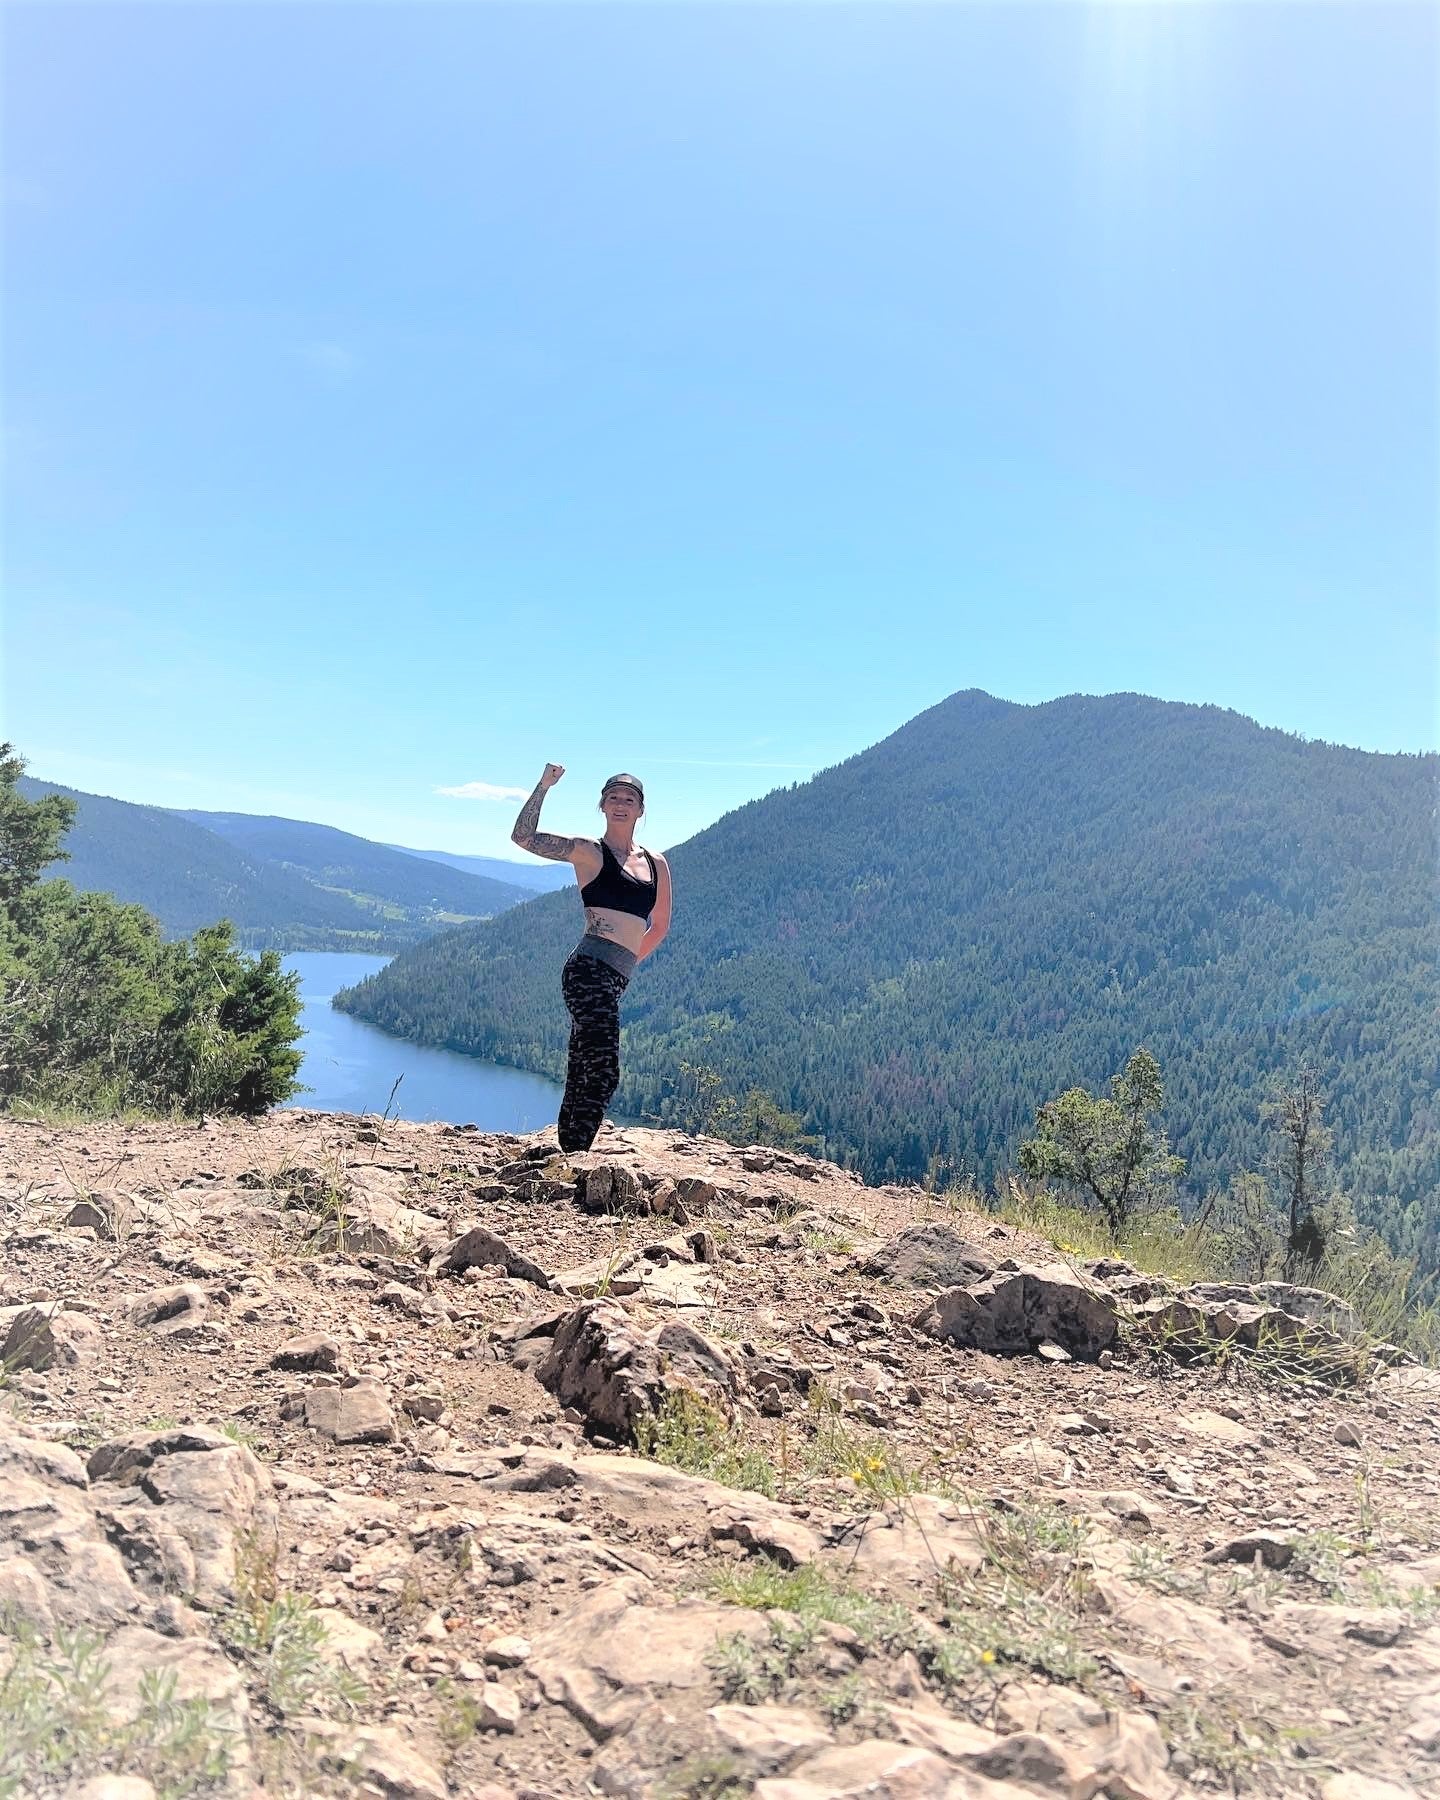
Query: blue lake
[350,1066]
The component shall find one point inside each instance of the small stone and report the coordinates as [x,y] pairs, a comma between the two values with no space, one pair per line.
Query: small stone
[507,1652]
[312,1350]
[1273,1551]
[497,1707]
[1345,1433]
[1053,1352]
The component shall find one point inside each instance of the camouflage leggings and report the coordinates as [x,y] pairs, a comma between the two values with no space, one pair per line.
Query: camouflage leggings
[592,993]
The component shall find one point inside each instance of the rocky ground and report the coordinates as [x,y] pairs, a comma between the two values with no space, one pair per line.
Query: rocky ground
[415,1462]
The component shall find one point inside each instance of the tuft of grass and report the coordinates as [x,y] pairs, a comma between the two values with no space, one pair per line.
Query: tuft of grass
[873,1464]
[753,1672]
[706,1777]
[828,1243]
[458,1717]
[1021,1608]
[1161,1242]
[688,1433]
[810,1594]
[242,1435]
[56,1720]
[284,1641]
[1241,1751]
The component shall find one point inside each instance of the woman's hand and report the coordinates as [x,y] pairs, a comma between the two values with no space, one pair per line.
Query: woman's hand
[553,772]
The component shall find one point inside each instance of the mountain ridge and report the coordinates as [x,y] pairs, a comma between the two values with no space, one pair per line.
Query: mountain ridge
[275,884]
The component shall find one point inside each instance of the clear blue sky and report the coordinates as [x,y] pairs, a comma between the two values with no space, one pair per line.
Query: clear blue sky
[399,395]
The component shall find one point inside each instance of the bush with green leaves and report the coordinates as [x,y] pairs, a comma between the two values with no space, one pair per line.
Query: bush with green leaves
[1111,1149]
[99,1013]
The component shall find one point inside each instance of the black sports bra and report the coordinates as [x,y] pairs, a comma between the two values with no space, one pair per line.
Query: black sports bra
[617,891]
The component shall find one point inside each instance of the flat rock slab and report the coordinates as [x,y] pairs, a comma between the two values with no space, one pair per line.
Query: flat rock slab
[614,1652]
[767,1739]
[356,1414]
[915,1541]
[876,1770]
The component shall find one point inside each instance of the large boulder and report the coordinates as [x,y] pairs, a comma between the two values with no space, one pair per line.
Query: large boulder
[177,1503]
[932,1255]
[1022,1307]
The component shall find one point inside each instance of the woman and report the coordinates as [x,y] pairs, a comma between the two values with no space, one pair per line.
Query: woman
[626,891]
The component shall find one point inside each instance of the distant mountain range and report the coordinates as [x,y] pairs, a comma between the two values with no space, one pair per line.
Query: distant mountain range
[282,882]
[916,948]
[539,877]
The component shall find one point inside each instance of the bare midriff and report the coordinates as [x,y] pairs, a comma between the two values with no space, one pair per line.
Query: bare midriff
[616,927]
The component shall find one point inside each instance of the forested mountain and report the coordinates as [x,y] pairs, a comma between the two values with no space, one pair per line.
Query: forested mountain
[347,864]
[916,948]
[537,877]
[189,875]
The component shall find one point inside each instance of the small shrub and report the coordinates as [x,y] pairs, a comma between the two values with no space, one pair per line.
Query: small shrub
[688,1433]
[55,1720]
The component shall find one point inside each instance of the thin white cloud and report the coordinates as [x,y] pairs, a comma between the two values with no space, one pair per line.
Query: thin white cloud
[483,790]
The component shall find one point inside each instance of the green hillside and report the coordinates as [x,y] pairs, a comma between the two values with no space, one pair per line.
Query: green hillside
[353,865]
[189,876]
[917,947]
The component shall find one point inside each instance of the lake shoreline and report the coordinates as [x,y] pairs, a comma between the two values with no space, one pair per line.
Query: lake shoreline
[350,1066]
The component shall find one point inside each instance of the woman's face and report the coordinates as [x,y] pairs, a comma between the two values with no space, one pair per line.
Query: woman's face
[621,805]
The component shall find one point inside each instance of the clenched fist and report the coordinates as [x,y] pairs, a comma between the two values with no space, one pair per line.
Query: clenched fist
[553,772]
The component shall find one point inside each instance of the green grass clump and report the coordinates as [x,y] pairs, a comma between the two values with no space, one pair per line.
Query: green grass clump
[285,1642]
[809,1593]
[706,1777]
[688,1433]
[1158,1242]
[56,1721]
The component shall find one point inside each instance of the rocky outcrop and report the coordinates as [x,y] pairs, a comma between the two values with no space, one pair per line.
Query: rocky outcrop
[615,1369]
[408,1567]
[1024,1306]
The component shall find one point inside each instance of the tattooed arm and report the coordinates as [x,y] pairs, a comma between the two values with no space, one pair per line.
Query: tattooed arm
[528,836]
